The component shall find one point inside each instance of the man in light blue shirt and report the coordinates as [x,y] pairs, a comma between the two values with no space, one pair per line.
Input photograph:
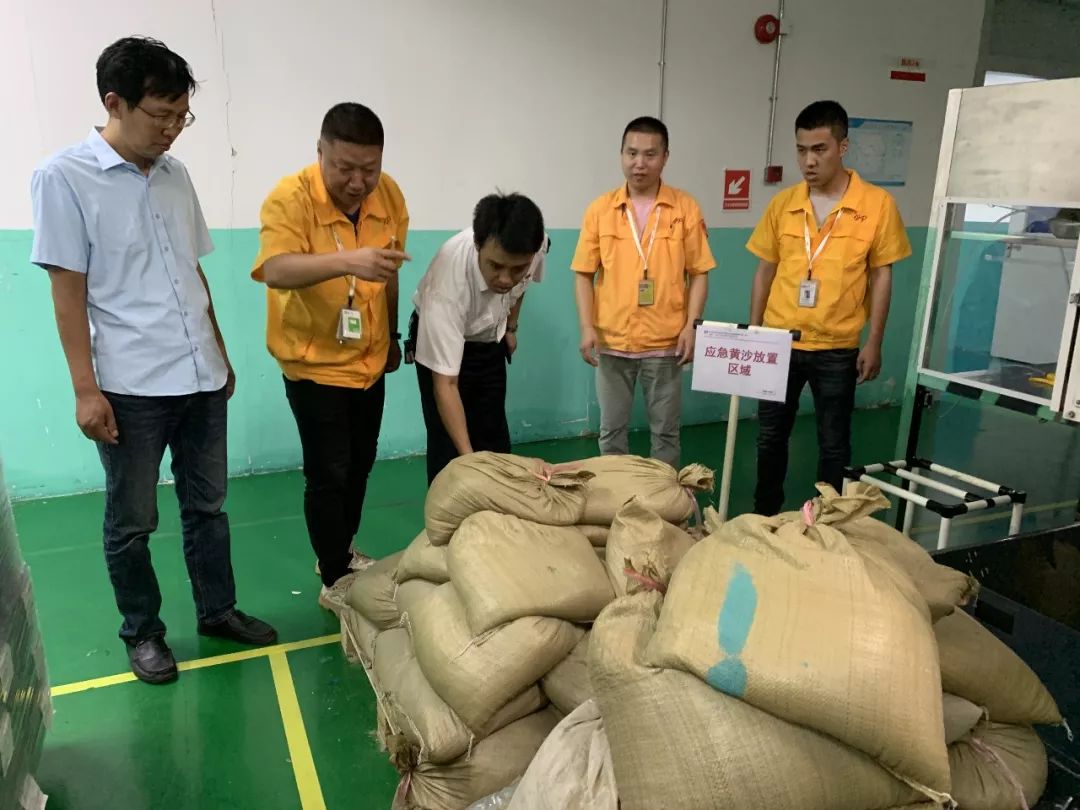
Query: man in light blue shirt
[118,226]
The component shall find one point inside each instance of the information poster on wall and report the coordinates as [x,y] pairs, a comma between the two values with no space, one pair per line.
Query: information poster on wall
[742,362]
[879,150]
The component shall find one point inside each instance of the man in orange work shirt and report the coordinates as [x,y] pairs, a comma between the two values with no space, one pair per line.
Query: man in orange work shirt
[827,247]
[330,247]
[642,261]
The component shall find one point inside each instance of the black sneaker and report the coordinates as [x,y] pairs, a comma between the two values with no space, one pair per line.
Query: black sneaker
[238,626]
[152,661]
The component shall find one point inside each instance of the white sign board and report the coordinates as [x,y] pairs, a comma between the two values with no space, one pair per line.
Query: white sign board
[742,362]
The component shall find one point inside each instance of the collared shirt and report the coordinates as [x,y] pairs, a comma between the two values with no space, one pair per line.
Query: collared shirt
[456,305]
[301,325]
[138,239]
[869,233]
[679,248]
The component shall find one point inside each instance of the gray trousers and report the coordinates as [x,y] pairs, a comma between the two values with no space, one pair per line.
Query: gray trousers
[661,383]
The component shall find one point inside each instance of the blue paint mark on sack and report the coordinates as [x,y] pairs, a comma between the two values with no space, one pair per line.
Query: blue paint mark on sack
[732,629]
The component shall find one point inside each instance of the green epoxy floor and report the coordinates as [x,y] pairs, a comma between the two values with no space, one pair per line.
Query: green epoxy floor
[216,739]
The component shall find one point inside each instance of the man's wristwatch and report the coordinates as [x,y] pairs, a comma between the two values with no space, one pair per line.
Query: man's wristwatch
[395,335]
[511,329]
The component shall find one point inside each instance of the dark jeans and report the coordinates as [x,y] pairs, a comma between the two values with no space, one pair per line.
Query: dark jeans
[193,427]
[482,384]
[832,376]
[339,434]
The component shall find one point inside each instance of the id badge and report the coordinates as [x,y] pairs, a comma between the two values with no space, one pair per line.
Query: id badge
[646,293]
[350,325]
[808,292]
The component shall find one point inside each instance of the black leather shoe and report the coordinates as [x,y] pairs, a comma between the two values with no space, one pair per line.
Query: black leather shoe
[238,626]
[152,661]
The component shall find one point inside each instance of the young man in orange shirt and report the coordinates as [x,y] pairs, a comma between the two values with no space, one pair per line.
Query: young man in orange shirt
[826,248]
[642,261]
[330,248]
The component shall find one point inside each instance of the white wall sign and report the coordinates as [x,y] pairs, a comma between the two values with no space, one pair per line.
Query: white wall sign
[742,362]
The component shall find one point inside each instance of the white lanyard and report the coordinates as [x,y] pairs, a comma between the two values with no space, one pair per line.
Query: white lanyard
[352,279]
[812,257]
[644,254]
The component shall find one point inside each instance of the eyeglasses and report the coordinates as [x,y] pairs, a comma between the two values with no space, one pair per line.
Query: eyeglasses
[168,120]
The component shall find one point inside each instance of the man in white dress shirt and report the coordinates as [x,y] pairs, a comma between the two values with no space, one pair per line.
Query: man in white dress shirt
[463,331]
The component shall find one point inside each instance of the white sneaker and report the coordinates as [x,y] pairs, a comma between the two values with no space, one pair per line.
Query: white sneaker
[360,561]
[333,598]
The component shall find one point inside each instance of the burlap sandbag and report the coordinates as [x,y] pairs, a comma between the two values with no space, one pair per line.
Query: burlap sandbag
[492,764]
[567,685]
[478,675]
[597,535]
[643,550]
[793,621]
[357,637]
[942,587]
[994,764]
[977,666]
[372,593]
[412,708]
[657,486]
[527,488]
[572,769]
[410,593]
[678,743]
[960,715]
[431,729]
[505,568]
[422,560]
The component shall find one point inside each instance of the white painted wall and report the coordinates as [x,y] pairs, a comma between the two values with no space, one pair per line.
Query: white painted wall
[483,93]
[720,79]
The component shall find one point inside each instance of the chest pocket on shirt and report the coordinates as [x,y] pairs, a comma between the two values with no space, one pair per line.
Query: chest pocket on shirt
[853,240]
[613,244]
[669,249]
[378,233]
[792,245]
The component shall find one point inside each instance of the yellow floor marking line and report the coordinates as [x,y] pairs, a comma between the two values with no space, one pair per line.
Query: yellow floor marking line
[307,779]
[200,663]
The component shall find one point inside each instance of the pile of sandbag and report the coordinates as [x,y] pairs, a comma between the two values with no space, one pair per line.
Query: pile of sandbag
[476,636]
[25,702]
[795,662]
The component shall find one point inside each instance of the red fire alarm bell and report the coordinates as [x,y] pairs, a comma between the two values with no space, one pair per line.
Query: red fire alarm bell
[767,28]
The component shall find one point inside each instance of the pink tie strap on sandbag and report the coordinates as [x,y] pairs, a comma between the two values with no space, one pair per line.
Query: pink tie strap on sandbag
[992,756]
[544,473]
[546,470]
[403,788]
[648,583]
